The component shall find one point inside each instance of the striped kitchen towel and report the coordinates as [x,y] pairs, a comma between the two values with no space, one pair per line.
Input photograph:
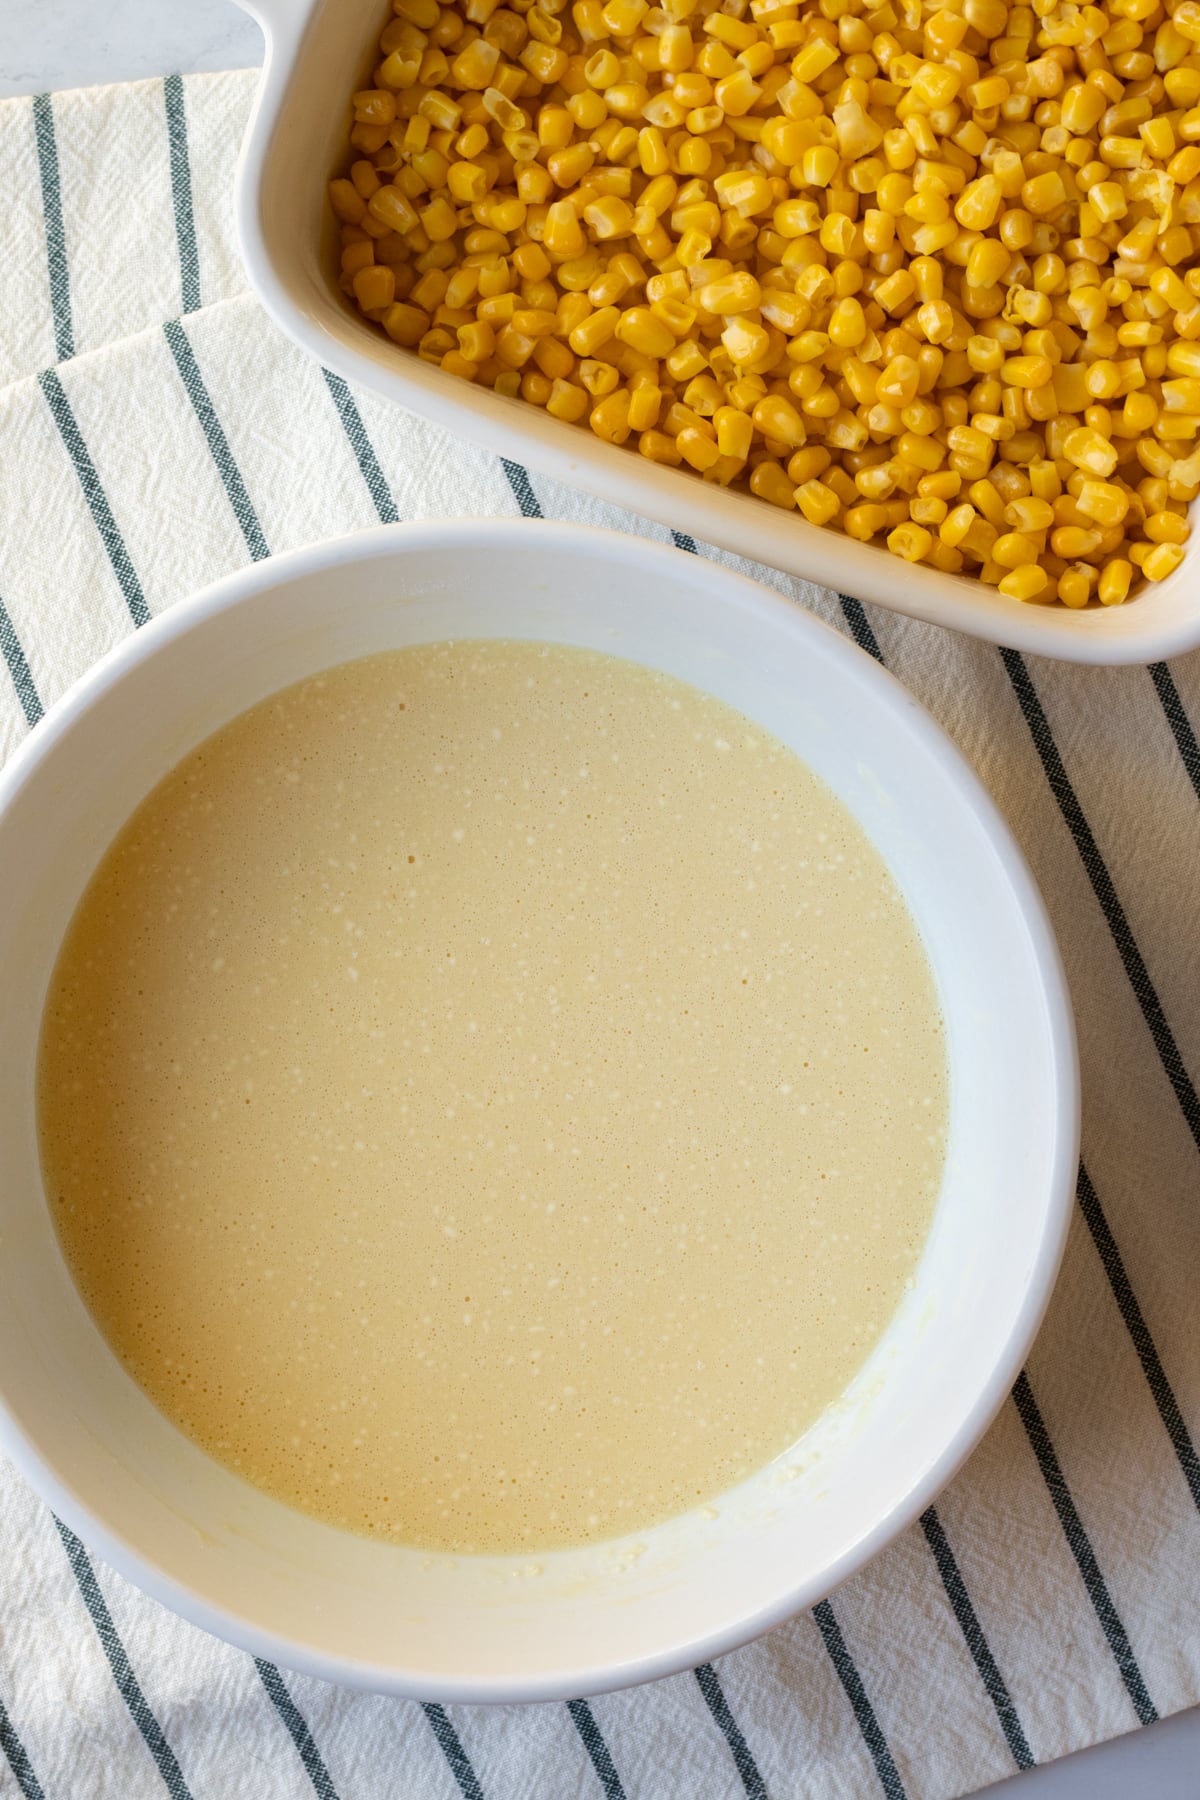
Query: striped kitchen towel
[156,432]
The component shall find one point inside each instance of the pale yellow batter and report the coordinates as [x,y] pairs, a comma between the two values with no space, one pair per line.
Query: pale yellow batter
[492,1096]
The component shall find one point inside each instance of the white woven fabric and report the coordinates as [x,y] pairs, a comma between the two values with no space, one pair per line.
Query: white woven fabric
[1052,1597]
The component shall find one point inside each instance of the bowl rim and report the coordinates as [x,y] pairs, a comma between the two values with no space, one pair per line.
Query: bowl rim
[387,542]
[1163,621]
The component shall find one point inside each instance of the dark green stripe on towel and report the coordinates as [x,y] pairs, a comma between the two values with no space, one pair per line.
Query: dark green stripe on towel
[93,493]
[364,450]
[1104,889]
[1181,726]
[585,1724]
[218,443]
[18,668]
[56,241]
[994,1683]
[1081,1549]
[18,1760]
[297,1729]
[522,487]
[856,1693]
[126,1681]
[181,192]
[452,1750]
[718,1706]
[1160,1387]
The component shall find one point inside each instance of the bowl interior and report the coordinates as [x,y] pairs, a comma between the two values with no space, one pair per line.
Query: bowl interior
[567,1622]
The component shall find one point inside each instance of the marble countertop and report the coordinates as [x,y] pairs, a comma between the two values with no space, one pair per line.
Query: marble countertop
[47,44]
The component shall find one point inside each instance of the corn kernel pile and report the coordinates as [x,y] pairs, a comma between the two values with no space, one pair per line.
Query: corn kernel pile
[925,271]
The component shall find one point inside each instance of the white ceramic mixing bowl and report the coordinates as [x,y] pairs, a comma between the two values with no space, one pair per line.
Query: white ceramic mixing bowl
[567,1623]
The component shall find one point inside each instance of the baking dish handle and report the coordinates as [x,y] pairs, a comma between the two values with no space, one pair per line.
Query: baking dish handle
[278,18]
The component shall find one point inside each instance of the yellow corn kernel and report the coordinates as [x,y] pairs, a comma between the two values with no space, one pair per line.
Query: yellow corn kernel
[734,293]
[863,521]
[657,447]
[347,203]
[553,358]
[770,482]
[1029,514]
[697,448]
[405,324]
[927,509]
[532,322]
[609,217]
[943,483]
[778,419]
[638,327]
[819,165]
[847,324]
[622,17]
[1162,561]
[1138,414]
[812,60]
[645,404]
[957,523]
[935,320]
[1044,479]
[497,309]
[594,331]
[1182,394]
[1184,359]
[1075,541]
[735,432]
[1013,549]
[374,287]
[1167,528]
[393,210]
[357,256]
[1107,200]
[1026,371]
[809,462]
[912,542]
[1115,579]
[1090,452]
[1075,585]
[477,341]
[895,291]
[898,381]
[978,206]
[745,341]
[455,363]
[599,378]
[818,503]
[609,418]
[439,220]
[1028,581]
[1122,152]
[971,444]
[562,235]
[1102,501]
[474,67]
[986,500]
[513,348]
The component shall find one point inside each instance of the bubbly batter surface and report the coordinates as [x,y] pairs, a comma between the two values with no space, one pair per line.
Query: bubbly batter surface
[492,1096]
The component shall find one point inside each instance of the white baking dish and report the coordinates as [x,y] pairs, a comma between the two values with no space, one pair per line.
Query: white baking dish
[317,54]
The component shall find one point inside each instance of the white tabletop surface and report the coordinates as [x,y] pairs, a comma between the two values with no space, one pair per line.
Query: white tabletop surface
[48,44]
